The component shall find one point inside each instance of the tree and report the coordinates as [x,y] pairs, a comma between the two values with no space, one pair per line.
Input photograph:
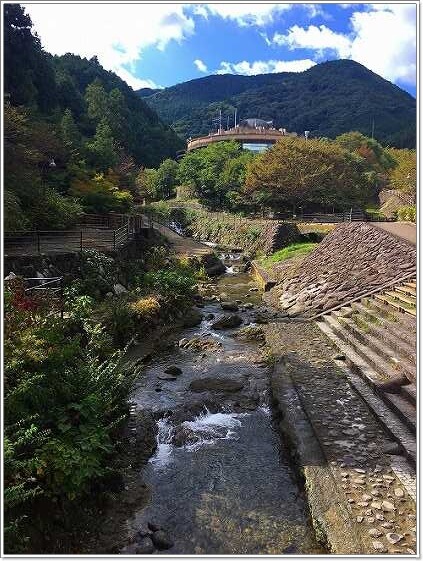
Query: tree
[102,148]
[404,176]
[97,101]
[69,131]
[376,158]
[303,172]
[28,71]
[208,171]
[166,180]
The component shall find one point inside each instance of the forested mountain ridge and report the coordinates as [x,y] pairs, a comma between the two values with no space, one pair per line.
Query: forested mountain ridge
[328,99]
[75,135]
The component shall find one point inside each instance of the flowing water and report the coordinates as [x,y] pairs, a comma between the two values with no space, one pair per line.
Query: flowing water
[220,479]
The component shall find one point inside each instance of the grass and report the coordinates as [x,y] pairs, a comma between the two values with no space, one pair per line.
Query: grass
[293,250]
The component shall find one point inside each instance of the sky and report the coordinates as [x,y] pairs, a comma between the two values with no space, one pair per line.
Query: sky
[160,44]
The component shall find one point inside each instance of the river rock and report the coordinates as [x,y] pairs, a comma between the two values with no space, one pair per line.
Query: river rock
[145,546]
[119,289]
[154,526]
[209,317]
[184,435]
[167,377]
[388,506]
[253,289]
[224,385]
[192,318]
[161,540]
[248,306]
[393,538]
[173,371]
[229,306]
[227,322]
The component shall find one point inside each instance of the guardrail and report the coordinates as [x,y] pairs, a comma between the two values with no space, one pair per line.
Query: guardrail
[37,292]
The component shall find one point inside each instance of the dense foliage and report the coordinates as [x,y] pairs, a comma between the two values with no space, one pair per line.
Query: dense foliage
[404,175]
[66,384]
[328,99]
[76,135]
[307,173]
[217,174]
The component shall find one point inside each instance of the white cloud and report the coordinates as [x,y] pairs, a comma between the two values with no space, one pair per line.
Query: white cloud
[382,38]
[264,67]
[200,65]
[259,14]
[315,38]
[116,33]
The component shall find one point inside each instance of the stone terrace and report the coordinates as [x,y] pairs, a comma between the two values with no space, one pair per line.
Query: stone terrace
[354,259]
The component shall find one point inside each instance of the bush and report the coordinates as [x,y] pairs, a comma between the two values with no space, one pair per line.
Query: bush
[407,213]
[146,308]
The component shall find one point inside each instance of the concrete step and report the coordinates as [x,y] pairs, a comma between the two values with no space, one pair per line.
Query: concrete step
[391,314]
[401,297]
[401,306]
[407,290]
[404,349]
[382,359]
[395,328]
[361,376]
[410,393]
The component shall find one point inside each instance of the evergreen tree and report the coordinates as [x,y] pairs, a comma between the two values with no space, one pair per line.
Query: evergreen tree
[102,149]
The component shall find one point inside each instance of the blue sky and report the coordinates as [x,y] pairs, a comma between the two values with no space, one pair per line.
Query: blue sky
[160,44]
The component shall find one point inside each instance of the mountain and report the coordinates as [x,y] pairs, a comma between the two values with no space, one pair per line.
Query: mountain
[328,99]
[147,138]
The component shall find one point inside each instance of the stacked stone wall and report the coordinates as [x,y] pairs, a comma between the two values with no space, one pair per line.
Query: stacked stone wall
[354,259]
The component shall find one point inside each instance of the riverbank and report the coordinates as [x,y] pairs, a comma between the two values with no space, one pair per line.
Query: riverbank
[360,491]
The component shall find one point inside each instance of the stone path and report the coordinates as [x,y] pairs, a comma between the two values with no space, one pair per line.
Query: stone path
[357,451]
[404,230]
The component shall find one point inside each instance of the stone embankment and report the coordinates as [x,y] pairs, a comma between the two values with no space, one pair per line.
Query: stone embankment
[253,236]
[353,260]
[361,493]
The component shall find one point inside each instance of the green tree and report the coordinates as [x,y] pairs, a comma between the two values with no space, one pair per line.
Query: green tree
[208,171]
[70,134]
[166,180]
[28,71]
[102,149]
[97,101]
[303,172]
[404,175]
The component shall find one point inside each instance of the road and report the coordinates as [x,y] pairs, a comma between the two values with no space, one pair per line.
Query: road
[405,230]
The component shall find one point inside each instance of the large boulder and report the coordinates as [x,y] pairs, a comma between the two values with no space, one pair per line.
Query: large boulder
[229,306]
[192,318]
[227,322]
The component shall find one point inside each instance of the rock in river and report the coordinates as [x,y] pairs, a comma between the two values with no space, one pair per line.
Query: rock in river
[173,371]
[192,318]
[167,377]
[229,306]
[161,540]
[145,546]
[226,385]
[227,322]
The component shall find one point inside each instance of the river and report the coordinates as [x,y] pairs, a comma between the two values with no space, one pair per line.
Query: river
[220,481]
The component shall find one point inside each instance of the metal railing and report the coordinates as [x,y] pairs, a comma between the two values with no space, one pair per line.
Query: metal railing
[42,291]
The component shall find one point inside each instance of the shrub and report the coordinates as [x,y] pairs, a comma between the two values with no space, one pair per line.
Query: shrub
[407,213]
[146,308]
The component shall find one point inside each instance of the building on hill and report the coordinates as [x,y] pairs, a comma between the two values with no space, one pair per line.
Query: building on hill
[256,135]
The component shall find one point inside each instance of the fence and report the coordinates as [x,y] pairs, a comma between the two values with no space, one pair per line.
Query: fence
[40,291]
[97,231]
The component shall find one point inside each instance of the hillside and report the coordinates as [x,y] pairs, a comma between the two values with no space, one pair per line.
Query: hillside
[328,99]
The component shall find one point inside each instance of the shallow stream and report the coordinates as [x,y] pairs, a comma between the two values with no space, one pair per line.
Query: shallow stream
[220,479]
